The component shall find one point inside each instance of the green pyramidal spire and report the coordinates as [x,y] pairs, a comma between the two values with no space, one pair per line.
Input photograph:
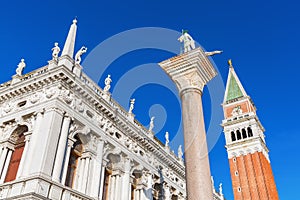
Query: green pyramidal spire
[234,88]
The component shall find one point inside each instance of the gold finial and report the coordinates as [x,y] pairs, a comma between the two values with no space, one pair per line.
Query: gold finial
[230,63]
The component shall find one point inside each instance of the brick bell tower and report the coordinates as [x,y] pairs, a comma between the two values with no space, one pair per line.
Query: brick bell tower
[249,161]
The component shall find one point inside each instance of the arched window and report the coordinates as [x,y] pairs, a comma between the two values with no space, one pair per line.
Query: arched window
[244,133]
[18,138]
[233,136]
[250,134]
[238,135]
[75,154]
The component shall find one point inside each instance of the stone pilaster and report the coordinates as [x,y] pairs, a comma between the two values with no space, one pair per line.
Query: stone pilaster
[46,140]
[24,155]
[190,72]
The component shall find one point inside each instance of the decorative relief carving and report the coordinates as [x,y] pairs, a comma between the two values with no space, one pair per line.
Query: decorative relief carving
[7,107]
[79,105]
[50,92]
[236,111]
[35,97]
[67,96]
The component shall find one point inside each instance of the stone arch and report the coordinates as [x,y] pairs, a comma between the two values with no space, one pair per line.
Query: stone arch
[238,135]
[17,139]
[75,154]
[244,133]
[233,137]
[250,133]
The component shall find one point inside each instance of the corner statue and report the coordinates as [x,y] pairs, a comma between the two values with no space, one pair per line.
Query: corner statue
[188,42]
[20,67]
[55,51]
[78,55]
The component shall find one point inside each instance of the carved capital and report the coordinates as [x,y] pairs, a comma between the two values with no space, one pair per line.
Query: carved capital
[189,70]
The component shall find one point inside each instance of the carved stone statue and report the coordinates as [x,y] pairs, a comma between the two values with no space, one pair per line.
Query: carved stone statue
[188,42]
[55,51]
[79,53]
[220,189]
[180,153]
[20,67]
[211,53]
[151,126]
[107,82]
[167,139]
[132,101]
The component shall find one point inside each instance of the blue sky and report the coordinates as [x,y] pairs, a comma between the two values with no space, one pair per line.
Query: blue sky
[261,37]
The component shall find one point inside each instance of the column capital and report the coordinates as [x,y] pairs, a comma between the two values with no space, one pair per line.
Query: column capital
[192,70]
[55,109]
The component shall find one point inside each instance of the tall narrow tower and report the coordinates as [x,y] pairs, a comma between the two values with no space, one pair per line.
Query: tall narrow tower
[249,161]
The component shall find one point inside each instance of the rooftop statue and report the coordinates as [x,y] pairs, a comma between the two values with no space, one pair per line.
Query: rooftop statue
[180,153]
[220,189]
[107,82]
[188,42]
[151,126]
[79,53]
[132,101]
[167,139]
[20,67]
[55,51]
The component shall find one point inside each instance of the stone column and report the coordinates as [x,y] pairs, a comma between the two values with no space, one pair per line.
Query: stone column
[149,186]
[66,162]
[2,158]
[126,179]
[6,165]
[98,171]
[102,180]
[79,173]
[24,155]
[85,174]
[190,72]
[60,153]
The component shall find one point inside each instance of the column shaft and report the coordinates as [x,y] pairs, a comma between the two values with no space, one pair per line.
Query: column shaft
[101,186]
[66,162]
[85,175]
[2,158]
[95,182]
[196,154]
[60,153]
[5,168]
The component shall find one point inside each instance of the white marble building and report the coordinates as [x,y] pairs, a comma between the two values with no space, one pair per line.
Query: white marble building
[62,137]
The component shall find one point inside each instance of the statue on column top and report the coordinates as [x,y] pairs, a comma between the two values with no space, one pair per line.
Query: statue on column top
[55,51]
[132,101]
[107,82]
[79,53]
[20,67]
[151,126]
[188,41]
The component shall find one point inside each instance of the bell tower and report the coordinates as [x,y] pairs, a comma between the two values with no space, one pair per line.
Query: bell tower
[249,161]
